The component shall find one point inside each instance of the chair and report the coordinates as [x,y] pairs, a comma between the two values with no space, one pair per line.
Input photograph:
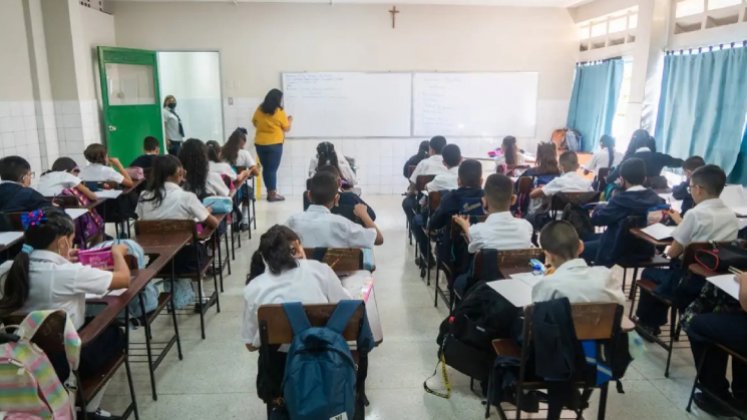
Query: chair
[455,235]
[592,321]
[559,201]
[647,255]
[341,260]
[169,226]
[410,170]
[601,179]
[275,329]
[697,385]
[434,200]
[524,187]
[421,181]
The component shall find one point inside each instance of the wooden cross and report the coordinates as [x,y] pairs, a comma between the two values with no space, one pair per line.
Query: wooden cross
[394,12]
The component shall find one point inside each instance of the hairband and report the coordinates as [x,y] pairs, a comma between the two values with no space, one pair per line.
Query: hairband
[26,248]
[33,218]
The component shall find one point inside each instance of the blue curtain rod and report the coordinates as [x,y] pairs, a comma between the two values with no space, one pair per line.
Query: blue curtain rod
[586,63]
[708,48]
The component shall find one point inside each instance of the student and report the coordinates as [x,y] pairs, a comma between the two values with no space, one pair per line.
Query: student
[217,165]
[569,275]
[43,276]
[199,179]
[152,148]
[634,200]
[233,152]
[447,181]
[318,227]
[15,192]
[501,230]
[466,199]
[348,200]
[98,169]
[546,166]
[680,192]
[416,158]
[433,165]
[643,146]
[717,318]
[326,155]
[62,176]
[709,221]
[606,156]
[508,155]
[570,181]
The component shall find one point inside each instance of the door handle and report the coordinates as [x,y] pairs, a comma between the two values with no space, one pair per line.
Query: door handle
[112,128]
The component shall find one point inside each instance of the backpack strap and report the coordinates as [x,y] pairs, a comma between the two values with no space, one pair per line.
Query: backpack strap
[296,317]
[344,310]
[30,325]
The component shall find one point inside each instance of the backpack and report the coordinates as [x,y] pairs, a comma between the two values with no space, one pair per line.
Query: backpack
[320,374]
[89,225]
[579,218]
[26,369]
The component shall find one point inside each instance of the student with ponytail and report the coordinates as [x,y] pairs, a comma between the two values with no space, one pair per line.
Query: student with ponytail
[327,156]
[606,156]
[46,275]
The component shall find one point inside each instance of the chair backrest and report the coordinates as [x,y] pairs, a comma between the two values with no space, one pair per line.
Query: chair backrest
[421,180]
[592,321]
[341,260]
[64,201]
[14,219]
[50,336]
[505,259]
[275,328]
[688,255]
[434,200]
[410,170]
[560,200]
[524,185]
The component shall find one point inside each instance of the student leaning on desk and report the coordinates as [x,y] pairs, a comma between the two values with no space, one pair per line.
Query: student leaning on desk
[46,275]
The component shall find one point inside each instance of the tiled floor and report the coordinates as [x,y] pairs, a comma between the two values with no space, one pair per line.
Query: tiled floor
[216,378]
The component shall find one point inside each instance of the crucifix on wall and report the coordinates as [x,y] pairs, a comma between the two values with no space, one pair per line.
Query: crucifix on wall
[393,11]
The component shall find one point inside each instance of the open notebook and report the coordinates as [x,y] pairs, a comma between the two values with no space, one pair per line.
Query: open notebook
[726,283]
[518,289]
[658,231]
[735,198]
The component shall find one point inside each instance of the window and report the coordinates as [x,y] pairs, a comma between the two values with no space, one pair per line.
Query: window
[583,32]
[633,21]
[619,131]
[719,4]
[689,8]
[599,29]
[612,23]
[618,24]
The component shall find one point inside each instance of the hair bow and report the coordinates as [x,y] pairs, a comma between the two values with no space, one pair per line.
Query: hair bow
[33,218]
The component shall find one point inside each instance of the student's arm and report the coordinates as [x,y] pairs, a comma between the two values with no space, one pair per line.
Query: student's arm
[243,175]
[200,212]
[86,191]
[126,181]
[370,211]
[121,272]
[463,222]
[285,121]
[607,214]
[537,193]
[683,234]
[442,216]
[211,222]
[361,210]
[675,250]
[679,191]
[671,162]
[742,279]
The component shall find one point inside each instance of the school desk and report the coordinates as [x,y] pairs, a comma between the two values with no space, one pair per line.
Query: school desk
[360,284]
[638,233]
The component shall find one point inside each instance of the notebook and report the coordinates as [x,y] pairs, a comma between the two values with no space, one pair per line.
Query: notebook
[735,198]
[727,283]
[658,231]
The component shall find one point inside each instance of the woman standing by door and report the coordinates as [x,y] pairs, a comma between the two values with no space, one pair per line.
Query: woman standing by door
[271,124]
[172,126]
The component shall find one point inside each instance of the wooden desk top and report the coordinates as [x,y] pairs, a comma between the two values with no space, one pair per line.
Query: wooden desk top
[638,233]
[165,246]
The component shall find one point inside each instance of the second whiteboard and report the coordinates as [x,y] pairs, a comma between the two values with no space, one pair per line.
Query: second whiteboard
[475,104]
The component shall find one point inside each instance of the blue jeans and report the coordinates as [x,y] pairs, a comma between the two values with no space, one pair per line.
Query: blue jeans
[269,157]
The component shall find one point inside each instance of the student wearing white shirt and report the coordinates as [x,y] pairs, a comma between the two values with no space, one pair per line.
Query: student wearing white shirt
[508,156]
[318,227]
[44,276]
[432,165]
[280,273]
[98,169]
[606,156]
[199,179]
[501,230]
[570,276]
[326,155]
[710,220]
[570,181]
[216,164]
[62,176]
[448,180]
[233,152]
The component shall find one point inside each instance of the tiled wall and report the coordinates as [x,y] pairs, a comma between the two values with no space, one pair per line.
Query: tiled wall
[78,125]
[19,132]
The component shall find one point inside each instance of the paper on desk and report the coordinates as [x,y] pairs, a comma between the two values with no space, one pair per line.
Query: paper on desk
[108,193]
[529,278]
[76,213]
[9,237]
[359,284]
[734,197]
[115,292]
[658,231]
[517,292]
[727,283]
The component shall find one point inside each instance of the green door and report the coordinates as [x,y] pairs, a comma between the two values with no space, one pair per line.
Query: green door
[129,90]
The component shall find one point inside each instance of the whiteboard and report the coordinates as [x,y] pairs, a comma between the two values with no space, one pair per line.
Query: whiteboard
[475,104]
[349,104]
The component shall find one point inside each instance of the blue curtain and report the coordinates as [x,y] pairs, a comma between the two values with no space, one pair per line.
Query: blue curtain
[739,173]
[594,100]
[702,106]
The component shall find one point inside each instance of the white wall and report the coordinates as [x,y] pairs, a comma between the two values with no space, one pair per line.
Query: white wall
[259,41]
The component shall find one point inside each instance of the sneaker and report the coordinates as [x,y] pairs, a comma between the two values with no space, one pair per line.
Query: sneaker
[711,406]
[101,415]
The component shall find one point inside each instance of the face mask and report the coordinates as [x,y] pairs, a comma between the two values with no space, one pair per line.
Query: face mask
[172,105]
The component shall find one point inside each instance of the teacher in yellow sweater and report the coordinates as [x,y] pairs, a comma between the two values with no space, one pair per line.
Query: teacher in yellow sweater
[271,124]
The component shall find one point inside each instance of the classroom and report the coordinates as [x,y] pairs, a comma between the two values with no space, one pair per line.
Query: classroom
[349,209]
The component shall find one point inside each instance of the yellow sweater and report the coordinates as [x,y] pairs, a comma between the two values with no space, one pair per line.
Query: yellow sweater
[270,128]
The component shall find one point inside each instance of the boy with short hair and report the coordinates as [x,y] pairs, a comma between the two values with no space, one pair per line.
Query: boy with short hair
[319,228]
[569,181]
[709,221]
[16,195]
[569,275]
[447,181]
[152,148]
[634,200]
[680,192]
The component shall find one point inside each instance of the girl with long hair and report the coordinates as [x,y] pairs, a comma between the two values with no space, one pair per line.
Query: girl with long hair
[327,156]
[606,156]
[216,164]
[199,179]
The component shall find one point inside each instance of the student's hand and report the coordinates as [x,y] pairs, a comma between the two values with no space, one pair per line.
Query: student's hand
[120,250]
[72,255]
[462,221]
[675,216]
[360,210]
[290,118]
[115,161]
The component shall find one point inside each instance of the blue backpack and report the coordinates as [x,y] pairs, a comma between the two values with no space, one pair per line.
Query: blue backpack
[320,374]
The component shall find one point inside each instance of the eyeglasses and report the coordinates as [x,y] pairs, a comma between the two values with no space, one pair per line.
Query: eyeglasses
[690,188]
[30,174]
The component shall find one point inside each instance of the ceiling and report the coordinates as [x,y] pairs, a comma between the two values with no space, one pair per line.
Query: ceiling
[524,3]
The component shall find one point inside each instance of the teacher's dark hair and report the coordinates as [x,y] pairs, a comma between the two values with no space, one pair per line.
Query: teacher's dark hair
[164,167]
[272,102]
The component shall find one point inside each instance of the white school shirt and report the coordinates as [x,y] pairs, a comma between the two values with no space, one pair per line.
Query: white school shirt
[601,160]
[52,183]
[580,283]
[309,283]
[501,231]
[56,283]
[177,204]
[568,182]
[446,181]
[223,168]
[245,158]
[709,220]
[214,185]
[96,172]
[346,171]
[433,165]
[500,159]
[171,125]
[319,228]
